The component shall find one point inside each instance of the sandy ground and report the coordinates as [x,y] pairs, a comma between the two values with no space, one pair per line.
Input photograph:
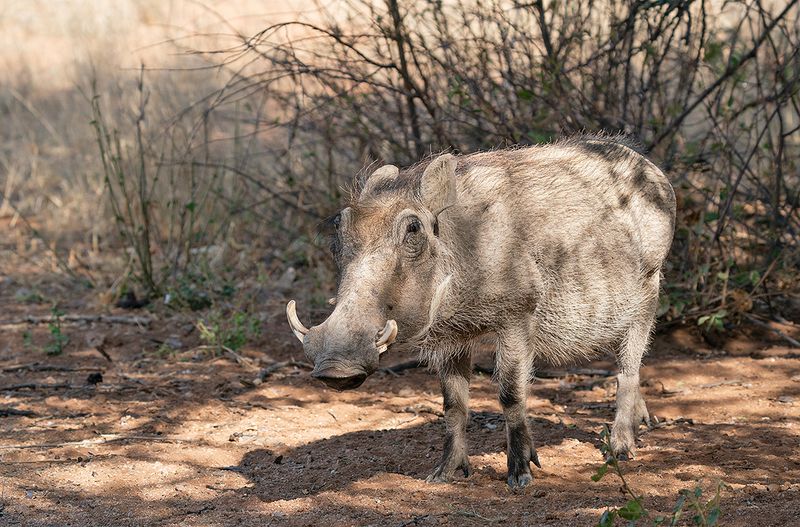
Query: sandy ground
[187,439]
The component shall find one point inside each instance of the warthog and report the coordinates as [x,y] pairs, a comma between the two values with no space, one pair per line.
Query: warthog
[557,250]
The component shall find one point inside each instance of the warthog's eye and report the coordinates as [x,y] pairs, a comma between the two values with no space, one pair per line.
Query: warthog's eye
[414,239]
[337,220]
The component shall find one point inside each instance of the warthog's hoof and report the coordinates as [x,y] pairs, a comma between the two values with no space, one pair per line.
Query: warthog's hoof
[520,481]
[622,456]
[444,472]
[519,470]
[623,432]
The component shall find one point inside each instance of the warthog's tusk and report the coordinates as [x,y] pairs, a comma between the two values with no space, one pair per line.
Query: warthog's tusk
[332,301]
[298,328]
[386,336]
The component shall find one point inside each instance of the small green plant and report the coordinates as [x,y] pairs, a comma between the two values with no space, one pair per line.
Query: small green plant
[28,296]
[188,294]
[58,340]
[198,289]
[228,333]
[633,510]
[165,351]
[715,321]
[705,513]
[27,339]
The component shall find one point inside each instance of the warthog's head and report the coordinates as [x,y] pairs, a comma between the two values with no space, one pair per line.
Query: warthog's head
[393,272]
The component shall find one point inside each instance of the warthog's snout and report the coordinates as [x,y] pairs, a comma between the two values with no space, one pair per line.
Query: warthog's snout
[344,353]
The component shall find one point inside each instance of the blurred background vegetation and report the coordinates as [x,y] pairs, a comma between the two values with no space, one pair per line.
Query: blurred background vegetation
[187,155]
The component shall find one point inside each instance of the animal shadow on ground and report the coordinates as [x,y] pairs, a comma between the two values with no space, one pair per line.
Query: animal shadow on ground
[337,462]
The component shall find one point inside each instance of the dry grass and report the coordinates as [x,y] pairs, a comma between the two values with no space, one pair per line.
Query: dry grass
[55,57]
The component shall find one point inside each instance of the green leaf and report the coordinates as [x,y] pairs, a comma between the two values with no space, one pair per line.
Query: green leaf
[607,518]
[713,516]
[601,471]
[713,51]
[538,136]
[677,510]
[631,511]
[525,95]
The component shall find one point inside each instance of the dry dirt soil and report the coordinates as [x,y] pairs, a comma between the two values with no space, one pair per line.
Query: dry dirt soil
[187,438]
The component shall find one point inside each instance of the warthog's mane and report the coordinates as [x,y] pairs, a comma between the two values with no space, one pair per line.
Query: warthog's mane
[410,176]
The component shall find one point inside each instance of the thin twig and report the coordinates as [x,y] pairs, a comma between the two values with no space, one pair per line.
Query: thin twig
[6,412]
[792,342]
[36,366]
[99,441]
[107,319]
[268,370]
[408,365]
[589,372]
[473,514]
[35,386]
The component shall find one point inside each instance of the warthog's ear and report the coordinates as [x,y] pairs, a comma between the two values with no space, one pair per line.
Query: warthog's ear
[382,174]
[438,186]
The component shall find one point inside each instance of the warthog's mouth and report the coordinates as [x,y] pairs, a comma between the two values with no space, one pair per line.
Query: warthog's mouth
[340,378]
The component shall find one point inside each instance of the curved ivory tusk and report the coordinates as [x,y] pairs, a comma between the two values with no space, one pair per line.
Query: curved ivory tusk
[298,328]
[386,336]
[332,301]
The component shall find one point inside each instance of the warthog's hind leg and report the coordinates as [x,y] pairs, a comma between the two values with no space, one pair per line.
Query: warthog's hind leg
[454,378]
[631,410]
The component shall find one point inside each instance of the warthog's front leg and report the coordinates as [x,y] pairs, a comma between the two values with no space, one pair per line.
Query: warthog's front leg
[454,378]
[513,374]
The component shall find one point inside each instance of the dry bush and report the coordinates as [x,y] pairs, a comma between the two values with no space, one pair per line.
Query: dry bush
[709,88]
[257,134]
[73,66]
